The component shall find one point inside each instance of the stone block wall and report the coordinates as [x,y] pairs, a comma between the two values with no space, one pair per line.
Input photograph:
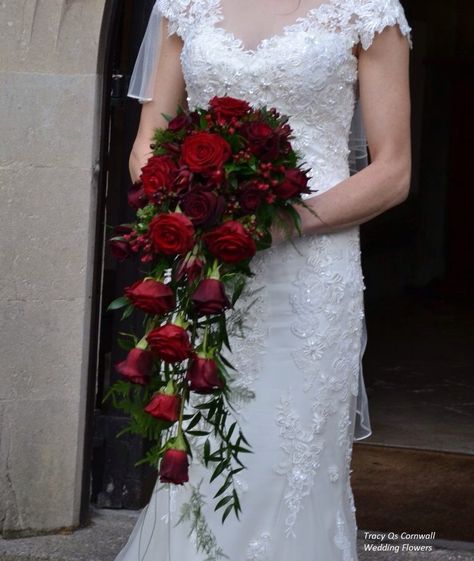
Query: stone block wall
[49,119]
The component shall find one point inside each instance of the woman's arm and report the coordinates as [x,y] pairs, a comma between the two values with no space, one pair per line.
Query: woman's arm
[169,91]
[385,102]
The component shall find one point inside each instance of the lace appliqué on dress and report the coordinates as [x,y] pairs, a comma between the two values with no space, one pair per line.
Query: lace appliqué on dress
[328,359]
[302,448]
[259,550]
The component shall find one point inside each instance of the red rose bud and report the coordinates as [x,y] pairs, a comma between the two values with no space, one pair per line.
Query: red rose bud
[157,175]
[136,196]
[203,376]
[294,183]
[174,466]
[192,267]
[230,242]
[151,296]
[137,366]
[165,407]
[170,342]
[171,233]
[203,152]
[210,297]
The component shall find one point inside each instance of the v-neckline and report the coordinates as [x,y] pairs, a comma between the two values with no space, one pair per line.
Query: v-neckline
[285,30]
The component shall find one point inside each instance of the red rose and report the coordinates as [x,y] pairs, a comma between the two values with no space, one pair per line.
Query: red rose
[180,122]
[157,175]
[151,296]
[120,247]
[203,152]
[137,366]
[136,196]
[164,406]
[192,267]
[294,183]
[174,466]
[171,233]
[210,297]
[170,342]
[250,196]
[266,142]
[203,376]
[230,242]
[202,207]
[182,181]
[227,107]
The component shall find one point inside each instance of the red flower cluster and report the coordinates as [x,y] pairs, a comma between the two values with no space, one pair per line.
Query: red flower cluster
[204,203]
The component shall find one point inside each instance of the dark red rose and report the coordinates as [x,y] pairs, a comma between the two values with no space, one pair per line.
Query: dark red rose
[136,196]
[250,196]
[164,406]
[170,342]
[171,233]
[157,175]
[192,267]
[180,122]
[204,208]
[210,297]
[227,107]
[120,247]
[258,134]
[230,242]
[264,141]
[151,296]
[137,366]
[294,183]
[182,181]
[174,466]
[203,152]
[203,375]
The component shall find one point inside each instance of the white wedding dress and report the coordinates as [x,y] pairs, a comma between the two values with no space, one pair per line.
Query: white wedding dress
[301,395]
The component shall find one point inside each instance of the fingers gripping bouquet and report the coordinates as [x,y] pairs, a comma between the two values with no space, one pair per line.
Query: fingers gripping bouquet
[205,204]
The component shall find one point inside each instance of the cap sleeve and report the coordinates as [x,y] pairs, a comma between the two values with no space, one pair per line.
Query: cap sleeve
[177,14]
[184,15]
[376,15]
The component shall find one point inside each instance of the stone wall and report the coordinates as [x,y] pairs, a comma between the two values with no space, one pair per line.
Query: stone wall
[49,126]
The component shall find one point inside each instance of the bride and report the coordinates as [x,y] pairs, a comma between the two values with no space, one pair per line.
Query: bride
[302,399]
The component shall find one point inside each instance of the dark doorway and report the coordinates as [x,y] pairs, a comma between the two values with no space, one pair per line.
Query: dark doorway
[419,268]
[115,482]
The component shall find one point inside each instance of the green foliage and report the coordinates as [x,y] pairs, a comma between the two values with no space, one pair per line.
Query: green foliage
[205,539]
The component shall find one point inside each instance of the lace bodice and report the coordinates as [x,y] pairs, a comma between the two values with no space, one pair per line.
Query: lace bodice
[307,71]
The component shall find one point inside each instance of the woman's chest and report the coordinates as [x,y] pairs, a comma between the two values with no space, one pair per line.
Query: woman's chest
[294,66]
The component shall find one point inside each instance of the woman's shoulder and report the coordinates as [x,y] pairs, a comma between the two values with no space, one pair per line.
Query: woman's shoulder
[182,15]
[373,16]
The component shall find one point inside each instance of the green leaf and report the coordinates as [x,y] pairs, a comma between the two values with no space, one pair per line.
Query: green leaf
[219,469]
[226,512]
[227,482]
[222,502]
[118,303]
[128,311]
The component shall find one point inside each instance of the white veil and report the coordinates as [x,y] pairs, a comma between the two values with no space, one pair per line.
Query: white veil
[141,87]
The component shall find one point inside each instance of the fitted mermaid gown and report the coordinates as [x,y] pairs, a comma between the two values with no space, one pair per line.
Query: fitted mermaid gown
[300,390]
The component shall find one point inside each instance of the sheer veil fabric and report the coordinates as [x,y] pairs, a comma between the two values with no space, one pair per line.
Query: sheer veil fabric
[142,88]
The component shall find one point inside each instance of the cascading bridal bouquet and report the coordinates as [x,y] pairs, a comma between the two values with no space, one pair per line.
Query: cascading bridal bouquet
[205,204]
